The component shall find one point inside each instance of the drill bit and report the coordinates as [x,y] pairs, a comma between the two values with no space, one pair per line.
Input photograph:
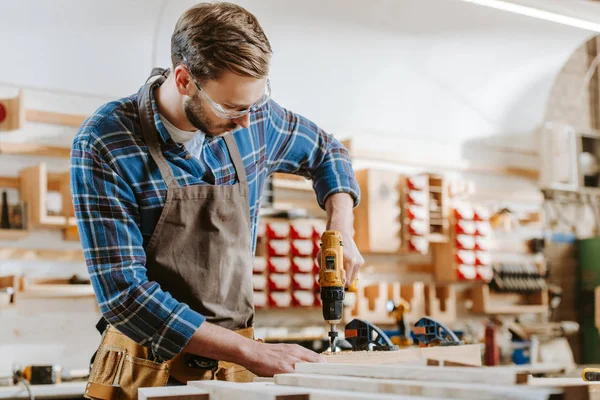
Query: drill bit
[332,336]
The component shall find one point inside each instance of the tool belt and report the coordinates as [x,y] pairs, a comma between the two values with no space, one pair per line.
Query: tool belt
[121,366]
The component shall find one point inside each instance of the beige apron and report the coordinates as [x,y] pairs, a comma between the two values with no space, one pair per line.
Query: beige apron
[200,252]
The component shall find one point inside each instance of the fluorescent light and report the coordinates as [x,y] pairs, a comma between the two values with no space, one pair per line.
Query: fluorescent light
[537,13]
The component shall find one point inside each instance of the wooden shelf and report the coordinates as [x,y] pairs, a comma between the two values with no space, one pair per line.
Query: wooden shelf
[57,291]
[13,234]
[14,253]
[488,302]
[34,191]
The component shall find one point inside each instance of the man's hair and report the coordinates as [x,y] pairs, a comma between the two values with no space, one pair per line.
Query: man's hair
[219,37]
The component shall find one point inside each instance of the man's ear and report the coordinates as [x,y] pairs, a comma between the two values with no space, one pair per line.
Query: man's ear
[182,80]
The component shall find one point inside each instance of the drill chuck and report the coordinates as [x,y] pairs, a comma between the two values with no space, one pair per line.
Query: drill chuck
[333,299]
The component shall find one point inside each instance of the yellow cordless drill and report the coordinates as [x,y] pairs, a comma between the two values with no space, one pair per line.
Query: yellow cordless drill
[332,279]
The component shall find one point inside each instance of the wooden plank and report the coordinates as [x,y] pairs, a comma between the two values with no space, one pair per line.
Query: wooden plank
[467,391]
[13,234]
[173,393]
[32,149]
[64,181]
[33,190]
[486,375]
[377,218]
[469,354]
[57,291]
[49,117]
[14,253]
[9,182]
[71,234]
[574,388]
[332,394]
[221,390]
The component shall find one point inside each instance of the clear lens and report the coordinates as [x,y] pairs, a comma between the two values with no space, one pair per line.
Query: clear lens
[229,114]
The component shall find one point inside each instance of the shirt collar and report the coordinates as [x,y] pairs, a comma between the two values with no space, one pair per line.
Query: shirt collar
[162,131]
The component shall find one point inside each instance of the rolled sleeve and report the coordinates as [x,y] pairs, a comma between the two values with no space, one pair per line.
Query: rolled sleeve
[298,146]
[107,217]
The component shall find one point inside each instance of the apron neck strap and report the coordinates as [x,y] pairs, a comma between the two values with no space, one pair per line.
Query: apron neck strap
[149,130]
[236,158]
[151,135]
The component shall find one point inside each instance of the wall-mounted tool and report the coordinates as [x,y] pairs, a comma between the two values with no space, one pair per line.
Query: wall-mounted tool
[398,312]
[430,332]
[364,336]
[591,374]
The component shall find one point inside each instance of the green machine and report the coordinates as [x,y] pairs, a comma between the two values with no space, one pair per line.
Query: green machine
[589,279]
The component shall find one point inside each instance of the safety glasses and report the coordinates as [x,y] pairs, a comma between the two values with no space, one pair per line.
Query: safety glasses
[223,112]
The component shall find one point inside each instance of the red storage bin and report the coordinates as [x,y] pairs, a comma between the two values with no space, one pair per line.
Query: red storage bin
[418,182]
[466,272]
[301,230]
[303,265]
[260,299]
[280,265]
[482,243]
[418,227]
[485,273]
[303,298]
[464,212]
[318,229]
[280,299]
[278,230]
[280,282]
[483,258]
[303,282]
[259,282]
[465,257]
[464,227]
[465,242]
[414,211]
[481,214]
[278,248]
[418,197]
[302,248]
[259,265]
[483,228]
[418,243]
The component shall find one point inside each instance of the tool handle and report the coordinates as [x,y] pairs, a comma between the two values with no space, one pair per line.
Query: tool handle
[591,374]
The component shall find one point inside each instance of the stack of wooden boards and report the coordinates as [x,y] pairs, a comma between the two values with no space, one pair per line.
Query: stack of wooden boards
[404,375]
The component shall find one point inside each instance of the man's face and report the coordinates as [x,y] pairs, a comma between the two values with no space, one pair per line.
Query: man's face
[233,92]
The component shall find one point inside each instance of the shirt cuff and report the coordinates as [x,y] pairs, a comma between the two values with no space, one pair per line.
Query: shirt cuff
[176,332]
[336,183]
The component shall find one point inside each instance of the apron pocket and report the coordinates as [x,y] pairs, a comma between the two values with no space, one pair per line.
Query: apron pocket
[116,375]
[103,382]
[138,373]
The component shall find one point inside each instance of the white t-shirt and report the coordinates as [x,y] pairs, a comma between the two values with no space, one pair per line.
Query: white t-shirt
[192,141]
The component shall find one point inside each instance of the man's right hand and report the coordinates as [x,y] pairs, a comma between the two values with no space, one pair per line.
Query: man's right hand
[265,359]
[262,359]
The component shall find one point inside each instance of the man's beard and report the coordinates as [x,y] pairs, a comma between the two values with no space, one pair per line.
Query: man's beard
[198,117]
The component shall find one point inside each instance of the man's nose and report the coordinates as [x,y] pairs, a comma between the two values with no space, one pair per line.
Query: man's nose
[243,121]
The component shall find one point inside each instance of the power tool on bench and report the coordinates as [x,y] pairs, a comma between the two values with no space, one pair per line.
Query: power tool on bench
[332,280]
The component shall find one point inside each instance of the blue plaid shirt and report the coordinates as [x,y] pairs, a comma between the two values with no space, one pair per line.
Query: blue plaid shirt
[118,195]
